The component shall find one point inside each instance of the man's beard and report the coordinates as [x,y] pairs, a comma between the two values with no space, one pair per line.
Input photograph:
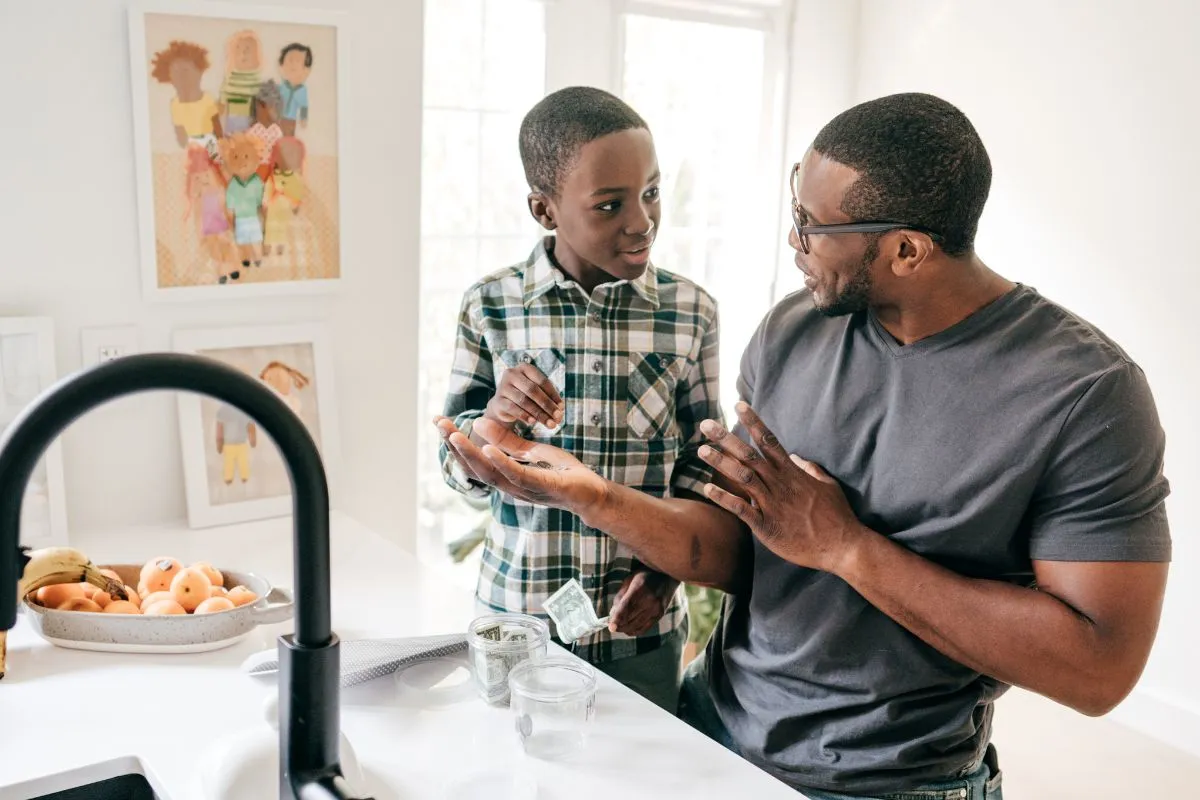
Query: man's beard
[856,295]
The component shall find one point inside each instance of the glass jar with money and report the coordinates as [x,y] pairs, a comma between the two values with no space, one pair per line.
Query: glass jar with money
[553,701]
[498,643]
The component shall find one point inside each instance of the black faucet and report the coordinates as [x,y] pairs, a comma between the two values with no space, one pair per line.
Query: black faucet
[308,659]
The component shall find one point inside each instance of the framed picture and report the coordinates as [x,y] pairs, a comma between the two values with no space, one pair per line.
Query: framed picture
[27,369]
[238,121]
[233,472]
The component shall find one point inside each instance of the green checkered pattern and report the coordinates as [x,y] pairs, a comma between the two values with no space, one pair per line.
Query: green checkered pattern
[637,366]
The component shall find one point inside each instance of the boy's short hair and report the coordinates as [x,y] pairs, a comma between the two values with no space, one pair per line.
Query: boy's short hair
[561,123]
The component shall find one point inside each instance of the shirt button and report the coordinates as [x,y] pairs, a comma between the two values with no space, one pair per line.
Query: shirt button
[528,359]
[668,361]
[597,365]
[595,316]
[596,418]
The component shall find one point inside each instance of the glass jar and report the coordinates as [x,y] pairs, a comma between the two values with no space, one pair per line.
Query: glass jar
[500,642]
[553,701]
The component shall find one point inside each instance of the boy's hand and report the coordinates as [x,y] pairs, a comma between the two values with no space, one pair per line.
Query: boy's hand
[641,602]
[536,473]
[525,395]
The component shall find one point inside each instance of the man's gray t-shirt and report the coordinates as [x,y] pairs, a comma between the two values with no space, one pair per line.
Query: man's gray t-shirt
[1020,433]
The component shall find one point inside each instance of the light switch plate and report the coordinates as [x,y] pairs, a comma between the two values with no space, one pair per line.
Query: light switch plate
[105,344]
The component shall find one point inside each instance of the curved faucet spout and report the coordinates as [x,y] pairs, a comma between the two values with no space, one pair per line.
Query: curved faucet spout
[309,664]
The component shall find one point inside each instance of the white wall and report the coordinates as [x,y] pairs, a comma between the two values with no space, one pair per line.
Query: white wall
[1089,113]
[68,224]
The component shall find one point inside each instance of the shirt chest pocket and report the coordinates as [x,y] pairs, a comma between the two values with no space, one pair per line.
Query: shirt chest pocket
[550,362]
[653,380]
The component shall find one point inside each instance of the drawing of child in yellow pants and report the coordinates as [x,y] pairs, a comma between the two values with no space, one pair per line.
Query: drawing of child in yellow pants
[236,434]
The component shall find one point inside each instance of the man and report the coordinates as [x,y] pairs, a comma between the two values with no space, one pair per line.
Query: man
[955,486]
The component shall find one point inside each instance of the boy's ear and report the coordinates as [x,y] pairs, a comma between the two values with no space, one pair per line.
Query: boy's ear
[539,209]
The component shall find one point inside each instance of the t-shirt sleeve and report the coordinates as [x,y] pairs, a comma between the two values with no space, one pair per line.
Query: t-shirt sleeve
[1102,496]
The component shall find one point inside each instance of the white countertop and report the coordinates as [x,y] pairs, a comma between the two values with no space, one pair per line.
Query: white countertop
[411,743]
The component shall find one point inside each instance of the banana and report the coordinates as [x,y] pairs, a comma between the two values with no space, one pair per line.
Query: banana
[52,565]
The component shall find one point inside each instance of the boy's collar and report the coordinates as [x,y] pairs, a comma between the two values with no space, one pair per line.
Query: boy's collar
[541,275]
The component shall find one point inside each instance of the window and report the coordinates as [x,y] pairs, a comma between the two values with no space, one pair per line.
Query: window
[712,118]
[484,66]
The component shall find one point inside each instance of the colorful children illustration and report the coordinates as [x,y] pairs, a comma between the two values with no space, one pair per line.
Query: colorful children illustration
[285,192]
[241,155]
[236,434]
[295,64]
[193,111]
[206,188]
[267,105]
[282,378]
[243,65]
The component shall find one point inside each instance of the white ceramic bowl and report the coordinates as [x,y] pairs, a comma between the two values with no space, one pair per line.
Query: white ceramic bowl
[190,633]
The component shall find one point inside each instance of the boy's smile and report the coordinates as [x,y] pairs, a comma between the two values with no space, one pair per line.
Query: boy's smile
[607,211]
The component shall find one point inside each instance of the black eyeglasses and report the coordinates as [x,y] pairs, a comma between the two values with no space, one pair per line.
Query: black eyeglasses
[804,230]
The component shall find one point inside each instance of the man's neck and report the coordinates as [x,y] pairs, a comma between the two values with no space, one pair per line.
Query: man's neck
[962,289]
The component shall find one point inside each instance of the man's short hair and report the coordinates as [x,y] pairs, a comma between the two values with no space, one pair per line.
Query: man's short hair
[555,129]
[920,161]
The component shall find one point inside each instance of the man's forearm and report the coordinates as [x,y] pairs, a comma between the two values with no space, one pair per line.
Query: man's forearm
[1018,635]
[689,540]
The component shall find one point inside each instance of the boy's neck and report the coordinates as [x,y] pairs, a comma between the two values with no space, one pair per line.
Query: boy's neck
[575,268]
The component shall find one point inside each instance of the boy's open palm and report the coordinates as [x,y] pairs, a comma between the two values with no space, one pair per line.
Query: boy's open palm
[526,395]
[536,473]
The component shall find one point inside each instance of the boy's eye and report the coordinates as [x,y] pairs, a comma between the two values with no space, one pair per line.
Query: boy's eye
[609,207]
[651,193]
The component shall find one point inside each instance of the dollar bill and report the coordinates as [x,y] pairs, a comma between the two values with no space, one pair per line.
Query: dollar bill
[572,611]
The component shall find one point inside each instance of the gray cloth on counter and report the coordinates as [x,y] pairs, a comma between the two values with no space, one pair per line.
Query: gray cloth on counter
[363,660]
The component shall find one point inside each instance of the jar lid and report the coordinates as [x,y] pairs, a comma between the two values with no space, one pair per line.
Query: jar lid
[553,679]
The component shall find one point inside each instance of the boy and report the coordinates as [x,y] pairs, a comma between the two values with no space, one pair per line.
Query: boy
[588,346]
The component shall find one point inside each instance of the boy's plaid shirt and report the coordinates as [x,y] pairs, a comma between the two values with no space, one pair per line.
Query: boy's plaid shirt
[637,367]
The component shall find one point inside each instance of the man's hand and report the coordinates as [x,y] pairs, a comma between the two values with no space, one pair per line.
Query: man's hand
[792,506]
[525,395]
[641,601]
[536,473]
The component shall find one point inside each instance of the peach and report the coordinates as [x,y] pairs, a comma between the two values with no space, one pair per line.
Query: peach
[163,607]
[157,573]
[156,597]
[191,587]
[214,604]
[79,604]
[102,599]
[121,607]
[241,596]
[133,596]
[89,591]
[212,573]
[219,591]
[142,590]
[56,594]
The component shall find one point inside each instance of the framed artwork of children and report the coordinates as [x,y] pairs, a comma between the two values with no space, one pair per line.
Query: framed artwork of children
[238,130]
[27,369]
[232,470]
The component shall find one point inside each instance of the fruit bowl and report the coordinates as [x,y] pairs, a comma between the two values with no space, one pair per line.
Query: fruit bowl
[168,633]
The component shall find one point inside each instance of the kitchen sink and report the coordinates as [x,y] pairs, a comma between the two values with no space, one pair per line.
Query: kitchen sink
[118,779]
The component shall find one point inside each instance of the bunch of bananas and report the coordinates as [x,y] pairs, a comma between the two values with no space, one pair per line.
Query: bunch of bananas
[51,565]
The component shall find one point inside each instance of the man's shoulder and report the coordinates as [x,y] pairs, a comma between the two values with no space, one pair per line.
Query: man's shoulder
[1062,340]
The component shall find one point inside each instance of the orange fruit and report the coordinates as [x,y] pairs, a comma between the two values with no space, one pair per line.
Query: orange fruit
[79,604]
[121,607]
[56,594]
[112,574]
[155,597]
[191,587]
[219,591]
[89,590]
[157,573]
[163,607]
[240,595]
[102,599]
[214,604]
[133,596]
[212,573]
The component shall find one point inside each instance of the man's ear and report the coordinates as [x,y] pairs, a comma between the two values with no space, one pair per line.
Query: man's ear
[540,209]
[913,251]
